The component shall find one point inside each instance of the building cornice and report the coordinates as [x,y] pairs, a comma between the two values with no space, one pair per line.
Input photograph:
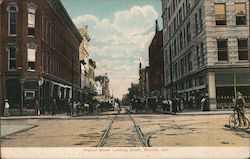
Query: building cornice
[63,15]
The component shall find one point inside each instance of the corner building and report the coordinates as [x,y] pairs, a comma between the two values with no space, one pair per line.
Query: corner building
[39,42]
[206,50]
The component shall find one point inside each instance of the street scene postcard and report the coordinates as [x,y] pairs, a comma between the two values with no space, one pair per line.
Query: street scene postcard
[127,79]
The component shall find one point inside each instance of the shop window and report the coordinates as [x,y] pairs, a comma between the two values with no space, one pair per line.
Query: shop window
[12,19]
[242,49]
[224,78]
[12,57]
[29,94]
[31,56]
[220,14]
[222,49]
[240,13]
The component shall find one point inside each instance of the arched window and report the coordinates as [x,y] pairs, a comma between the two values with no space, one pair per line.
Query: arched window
[12,15]
[31,18]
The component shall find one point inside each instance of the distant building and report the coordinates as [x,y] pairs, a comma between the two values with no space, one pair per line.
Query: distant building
[206,50]
[39,54]
[98,88]
[156,61]
[104,80]
[144,81]
[92,67]
[84,57]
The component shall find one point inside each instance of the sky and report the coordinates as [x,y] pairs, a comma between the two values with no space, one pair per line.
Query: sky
[120,32]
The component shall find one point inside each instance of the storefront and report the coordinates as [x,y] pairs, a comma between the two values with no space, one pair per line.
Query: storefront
[227,84]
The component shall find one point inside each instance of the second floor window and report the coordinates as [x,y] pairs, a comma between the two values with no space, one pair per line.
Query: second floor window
[220,14]
[31,21]
[240,13]
[222,50]
[31,56]
[12,20]
[242,49]
[12,57]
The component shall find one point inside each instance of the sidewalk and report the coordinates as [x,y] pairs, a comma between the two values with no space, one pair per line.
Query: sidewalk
[56,116]
[13,129]
[216,112]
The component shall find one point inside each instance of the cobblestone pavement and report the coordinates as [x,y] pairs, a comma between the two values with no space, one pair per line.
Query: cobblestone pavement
[163,130]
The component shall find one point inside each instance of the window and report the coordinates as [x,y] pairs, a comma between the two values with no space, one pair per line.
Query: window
[180,15]
[175,47]
[31,56]
[200,19]
[198,56]
[31,21]
[187,6]
[188,32]
[220,14]
[12,57]
[43,26]
[196,24]
[202,54]
[181,41]
[47,30]
[240,12]
[190,65]
[242,49]
[12,9]
[222,50]
[29,94]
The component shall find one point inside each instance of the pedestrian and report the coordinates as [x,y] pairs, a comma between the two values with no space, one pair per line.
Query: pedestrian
[53,107]
[78,104]
[178,104]
[181,104]
[37,107]
[6,108]
[174,105]
[240,103]
[68,107]
[170,105]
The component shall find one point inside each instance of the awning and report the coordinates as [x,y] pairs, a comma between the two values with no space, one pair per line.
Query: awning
[193,88]
[61,85]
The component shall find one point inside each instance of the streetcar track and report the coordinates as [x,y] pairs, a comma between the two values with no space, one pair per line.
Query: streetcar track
[143,139]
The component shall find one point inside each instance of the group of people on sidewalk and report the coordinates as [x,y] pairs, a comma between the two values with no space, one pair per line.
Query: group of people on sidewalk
[55,107]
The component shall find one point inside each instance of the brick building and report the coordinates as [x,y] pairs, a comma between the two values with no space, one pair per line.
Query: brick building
[39,42]
[156,68]
[206,50]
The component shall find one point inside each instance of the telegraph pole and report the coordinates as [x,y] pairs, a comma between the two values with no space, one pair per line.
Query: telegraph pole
[72,84]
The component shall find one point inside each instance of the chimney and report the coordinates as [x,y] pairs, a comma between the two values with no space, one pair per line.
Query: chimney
[156,26]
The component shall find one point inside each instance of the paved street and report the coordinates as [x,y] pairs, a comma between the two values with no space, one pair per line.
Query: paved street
[162,130]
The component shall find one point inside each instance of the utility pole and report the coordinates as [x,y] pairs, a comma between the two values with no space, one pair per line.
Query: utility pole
[72,84]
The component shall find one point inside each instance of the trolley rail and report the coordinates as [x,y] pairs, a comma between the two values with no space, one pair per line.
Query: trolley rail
[143,139]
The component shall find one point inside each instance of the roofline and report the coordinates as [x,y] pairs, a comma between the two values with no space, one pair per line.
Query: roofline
[63,15]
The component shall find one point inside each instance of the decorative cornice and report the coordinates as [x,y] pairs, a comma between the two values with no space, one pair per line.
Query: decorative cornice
[63,15]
